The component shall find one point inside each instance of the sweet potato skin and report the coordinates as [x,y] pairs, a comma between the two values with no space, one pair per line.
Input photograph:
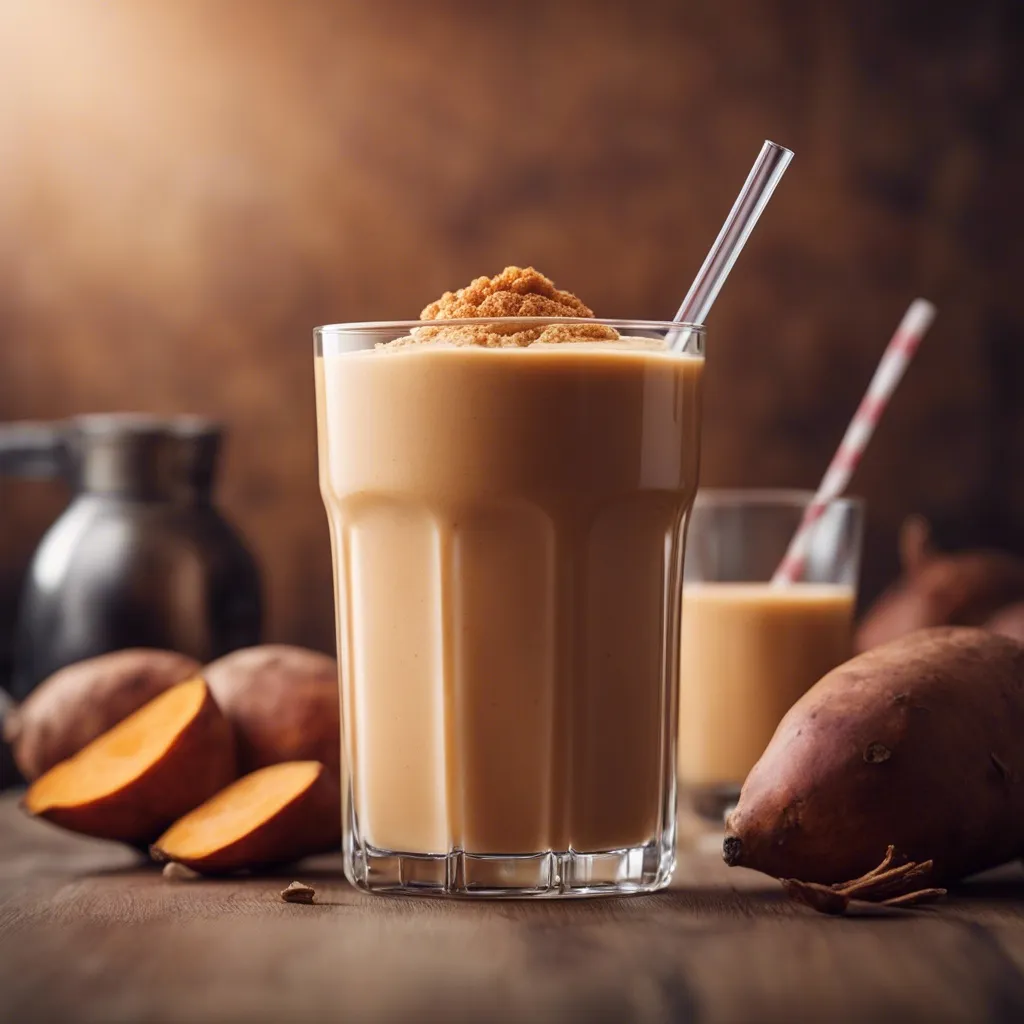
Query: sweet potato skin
[1008,621]
[199,763]
[72,707]
[917,744]
[283,702]
[962,589]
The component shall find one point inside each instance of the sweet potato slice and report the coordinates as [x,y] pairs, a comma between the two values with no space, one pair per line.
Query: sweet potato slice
[75,705]
[137,778]
[272,816]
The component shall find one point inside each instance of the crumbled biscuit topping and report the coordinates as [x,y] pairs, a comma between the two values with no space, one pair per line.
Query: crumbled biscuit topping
[515,292]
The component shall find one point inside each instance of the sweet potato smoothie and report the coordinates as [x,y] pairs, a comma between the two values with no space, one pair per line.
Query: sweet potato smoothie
[749,652]
[506,502]
[750,647]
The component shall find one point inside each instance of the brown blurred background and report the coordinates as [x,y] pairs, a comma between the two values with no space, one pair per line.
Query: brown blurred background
[186,189]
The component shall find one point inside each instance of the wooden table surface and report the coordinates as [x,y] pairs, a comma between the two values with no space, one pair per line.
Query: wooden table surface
[88,933]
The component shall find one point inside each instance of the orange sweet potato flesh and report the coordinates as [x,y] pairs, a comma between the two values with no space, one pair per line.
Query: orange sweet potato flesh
[272,816]
[75,705]
[146,772]
[917,744]
[283,702]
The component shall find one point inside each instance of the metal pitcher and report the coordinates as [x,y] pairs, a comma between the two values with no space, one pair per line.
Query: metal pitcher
[140,557]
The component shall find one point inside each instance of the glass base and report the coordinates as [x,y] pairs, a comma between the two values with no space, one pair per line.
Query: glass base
[552,873]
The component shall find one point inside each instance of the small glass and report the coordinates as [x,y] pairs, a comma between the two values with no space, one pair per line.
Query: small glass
[751,650]
[507,530]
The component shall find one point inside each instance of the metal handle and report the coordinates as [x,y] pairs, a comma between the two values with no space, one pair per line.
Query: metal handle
[33,450]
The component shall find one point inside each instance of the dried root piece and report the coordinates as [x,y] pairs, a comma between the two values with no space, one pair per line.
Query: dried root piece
[296,892]
[822,898]
[885,885]
[911,899]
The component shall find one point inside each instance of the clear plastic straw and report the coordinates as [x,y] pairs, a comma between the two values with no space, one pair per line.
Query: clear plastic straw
[766,173]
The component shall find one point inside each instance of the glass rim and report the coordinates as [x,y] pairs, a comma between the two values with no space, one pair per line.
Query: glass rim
[527,321]
[778,497]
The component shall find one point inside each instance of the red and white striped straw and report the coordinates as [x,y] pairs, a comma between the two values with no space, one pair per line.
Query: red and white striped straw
[893,365]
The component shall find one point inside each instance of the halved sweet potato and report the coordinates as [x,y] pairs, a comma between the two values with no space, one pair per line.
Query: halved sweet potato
[75,705]
[272,816]
[283,702]
[139,777]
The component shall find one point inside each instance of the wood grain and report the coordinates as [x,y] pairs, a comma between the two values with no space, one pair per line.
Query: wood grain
[87,934]
[201,184]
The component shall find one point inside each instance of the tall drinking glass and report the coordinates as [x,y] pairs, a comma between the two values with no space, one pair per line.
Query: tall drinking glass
[507,530]
[751,650]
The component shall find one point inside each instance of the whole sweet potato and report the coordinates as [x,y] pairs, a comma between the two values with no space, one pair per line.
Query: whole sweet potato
[1008,621]
[962,589]
[75,705]
[917,744]
[283,702]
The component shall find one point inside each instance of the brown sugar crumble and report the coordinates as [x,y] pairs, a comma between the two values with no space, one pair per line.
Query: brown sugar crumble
[515,292]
